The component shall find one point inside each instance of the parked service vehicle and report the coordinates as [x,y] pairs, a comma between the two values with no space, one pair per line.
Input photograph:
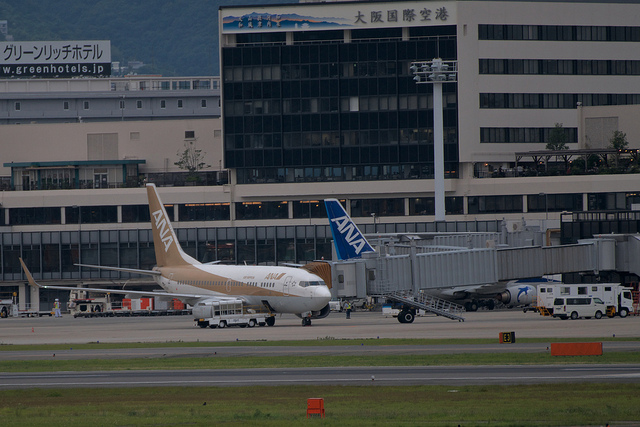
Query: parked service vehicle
[220,314]
[575,307]
[8,308]
[616,298]
[83,303]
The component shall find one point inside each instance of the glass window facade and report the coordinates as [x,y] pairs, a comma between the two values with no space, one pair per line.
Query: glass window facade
[262,210]
[559,33]
[309,209]
[555,100]
[52,254]
[26,216]
[135,213]
[523,135]
[427,206]
[495,204]
[377,207]
[607,201]
[316,109]
[554,202]
[204,212]
[560,67]
[91,214]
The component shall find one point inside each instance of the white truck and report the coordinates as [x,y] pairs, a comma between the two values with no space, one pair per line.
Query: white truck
[617,299]
[232,312]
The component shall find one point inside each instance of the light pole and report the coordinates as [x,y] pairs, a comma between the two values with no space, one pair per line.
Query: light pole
[79,211]
[436,72]
[546,207]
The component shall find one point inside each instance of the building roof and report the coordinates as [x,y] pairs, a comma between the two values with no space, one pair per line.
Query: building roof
[72,163]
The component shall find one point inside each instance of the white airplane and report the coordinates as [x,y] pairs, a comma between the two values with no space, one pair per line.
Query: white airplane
[514,293]
[350,243]
[272,288]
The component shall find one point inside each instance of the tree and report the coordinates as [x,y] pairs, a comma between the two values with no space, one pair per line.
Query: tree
[618,141]
[557,138]
[191,159]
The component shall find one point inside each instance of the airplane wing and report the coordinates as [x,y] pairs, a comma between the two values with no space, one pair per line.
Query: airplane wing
[188,298]
[126,270]
[486,290]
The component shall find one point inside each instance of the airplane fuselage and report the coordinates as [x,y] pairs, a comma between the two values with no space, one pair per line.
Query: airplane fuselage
[283,289]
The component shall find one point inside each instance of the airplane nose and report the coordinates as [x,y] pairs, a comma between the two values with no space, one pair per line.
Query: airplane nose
[324,293]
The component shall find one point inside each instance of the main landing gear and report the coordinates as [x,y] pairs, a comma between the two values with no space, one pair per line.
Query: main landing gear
[306,321]
[406,316]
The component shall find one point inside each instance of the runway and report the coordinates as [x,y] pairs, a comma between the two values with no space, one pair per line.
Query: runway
[363,376]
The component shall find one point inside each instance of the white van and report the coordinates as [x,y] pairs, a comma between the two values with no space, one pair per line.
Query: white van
[576,307]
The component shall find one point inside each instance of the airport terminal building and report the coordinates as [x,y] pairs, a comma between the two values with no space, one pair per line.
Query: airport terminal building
[308,98]
[318,100]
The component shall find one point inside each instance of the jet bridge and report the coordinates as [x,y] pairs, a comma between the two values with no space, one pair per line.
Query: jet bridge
[411,266]
[520,263]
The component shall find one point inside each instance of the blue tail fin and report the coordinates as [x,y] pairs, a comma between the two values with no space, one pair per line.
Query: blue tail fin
[349,241]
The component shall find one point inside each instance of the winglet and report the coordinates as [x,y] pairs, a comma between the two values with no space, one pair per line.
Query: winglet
[347,238]
[165,241]
[28,274]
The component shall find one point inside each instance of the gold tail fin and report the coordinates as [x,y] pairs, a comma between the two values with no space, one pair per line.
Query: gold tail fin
[165,241]
[27,273]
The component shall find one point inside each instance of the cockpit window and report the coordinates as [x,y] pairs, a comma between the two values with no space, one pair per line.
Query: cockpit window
[304,284]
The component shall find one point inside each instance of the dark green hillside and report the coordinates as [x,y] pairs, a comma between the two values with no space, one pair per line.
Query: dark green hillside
[174,37]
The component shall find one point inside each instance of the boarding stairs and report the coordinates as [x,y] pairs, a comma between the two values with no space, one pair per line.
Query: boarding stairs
[428,303]
[544,311]
[541,308]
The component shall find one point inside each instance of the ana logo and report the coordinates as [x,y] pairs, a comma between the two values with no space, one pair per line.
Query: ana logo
[355,239]
[274,276]
[162,226]
[525,290]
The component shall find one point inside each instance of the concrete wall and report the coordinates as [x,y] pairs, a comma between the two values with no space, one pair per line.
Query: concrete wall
[471,84]
[598,123]
[156,141]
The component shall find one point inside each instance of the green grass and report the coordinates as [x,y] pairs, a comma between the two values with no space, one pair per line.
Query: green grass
[325,341]
[220,362]
[214,361]
[522,405]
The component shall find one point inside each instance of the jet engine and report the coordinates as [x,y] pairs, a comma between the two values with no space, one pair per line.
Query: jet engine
[318,314]
[515,296]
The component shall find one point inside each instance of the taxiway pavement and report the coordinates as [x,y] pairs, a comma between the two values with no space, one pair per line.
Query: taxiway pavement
[362,325]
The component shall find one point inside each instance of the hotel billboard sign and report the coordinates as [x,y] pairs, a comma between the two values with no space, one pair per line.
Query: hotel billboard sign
[55,59]
[336,16]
